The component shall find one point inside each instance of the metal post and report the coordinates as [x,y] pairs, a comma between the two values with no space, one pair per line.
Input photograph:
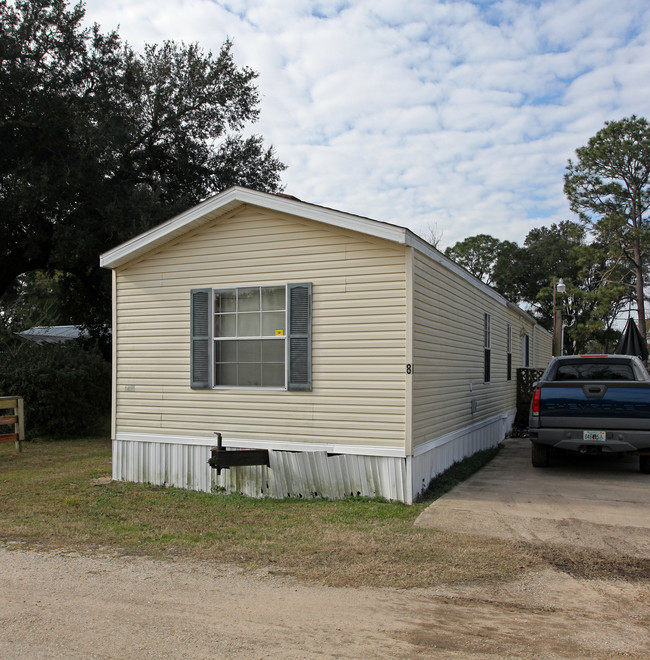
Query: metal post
[554,339]
[558,326]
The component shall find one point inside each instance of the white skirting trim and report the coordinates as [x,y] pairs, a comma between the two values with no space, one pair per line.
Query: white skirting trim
[436,456]
[246,443]
[325,472]
[503,420]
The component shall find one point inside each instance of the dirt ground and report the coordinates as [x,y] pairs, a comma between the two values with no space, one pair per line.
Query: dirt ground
[56,605]
[592,600]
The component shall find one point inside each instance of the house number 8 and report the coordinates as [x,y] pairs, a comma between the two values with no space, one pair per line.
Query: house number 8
[409,368]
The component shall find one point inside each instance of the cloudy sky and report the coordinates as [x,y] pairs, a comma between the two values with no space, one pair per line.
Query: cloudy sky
[457,116]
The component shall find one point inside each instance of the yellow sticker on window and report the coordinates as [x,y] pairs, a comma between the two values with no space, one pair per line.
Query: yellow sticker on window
[279,333]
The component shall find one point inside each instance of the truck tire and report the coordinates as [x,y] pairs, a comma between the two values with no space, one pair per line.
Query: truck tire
[541,455]
[644,464]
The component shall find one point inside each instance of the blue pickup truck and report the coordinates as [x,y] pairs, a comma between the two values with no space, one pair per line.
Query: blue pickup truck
[591,404]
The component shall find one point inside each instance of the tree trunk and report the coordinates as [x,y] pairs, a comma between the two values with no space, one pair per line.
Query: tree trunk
[640,296]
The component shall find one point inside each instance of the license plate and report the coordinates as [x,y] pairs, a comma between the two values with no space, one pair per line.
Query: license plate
[594,436]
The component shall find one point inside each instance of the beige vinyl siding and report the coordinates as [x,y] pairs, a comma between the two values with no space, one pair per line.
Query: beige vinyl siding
[358,333]
[448,352]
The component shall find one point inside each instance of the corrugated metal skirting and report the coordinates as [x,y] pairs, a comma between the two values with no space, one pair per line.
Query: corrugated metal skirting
[291,474]
[305,474]
[429,464]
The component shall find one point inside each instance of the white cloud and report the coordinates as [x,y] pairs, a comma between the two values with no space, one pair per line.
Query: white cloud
[457,113]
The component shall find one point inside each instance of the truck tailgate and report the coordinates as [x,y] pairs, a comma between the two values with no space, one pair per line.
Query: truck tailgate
[604,404]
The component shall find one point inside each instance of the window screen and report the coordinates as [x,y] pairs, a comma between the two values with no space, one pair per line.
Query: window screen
[249,337]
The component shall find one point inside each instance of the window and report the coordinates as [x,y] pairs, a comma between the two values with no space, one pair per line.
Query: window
[594,371]
[251,337]
[525,351]
[487,349]
[509,353]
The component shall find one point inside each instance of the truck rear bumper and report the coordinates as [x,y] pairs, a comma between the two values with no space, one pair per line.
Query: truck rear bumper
[573,440]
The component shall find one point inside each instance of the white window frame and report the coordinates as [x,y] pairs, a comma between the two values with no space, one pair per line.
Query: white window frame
[238,316]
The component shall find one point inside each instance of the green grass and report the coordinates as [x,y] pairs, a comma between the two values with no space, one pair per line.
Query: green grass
[456,474]
[50,498]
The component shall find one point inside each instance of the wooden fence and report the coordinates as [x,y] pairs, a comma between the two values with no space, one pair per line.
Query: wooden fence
[15,419]
[525,380]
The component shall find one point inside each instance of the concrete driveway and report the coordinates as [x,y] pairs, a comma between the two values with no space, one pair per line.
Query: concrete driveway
[594,502]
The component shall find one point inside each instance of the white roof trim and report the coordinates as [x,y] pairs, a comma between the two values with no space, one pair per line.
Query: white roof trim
[230,199]
[529,317]
[433,253]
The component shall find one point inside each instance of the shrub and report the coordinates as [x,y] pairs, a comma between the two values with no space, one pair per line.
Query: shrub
[66,388]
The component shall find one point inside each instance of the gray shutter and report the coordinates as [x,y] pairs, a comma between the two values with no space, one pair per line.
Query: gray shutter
[200,338]
[299,337]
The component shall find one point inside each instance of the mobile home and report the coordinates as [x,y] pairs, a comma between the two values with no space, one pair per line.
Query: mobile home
[357,356]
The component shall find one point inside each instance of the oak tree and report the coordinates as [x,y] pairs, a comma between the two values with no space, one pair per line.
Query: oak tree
[99,142]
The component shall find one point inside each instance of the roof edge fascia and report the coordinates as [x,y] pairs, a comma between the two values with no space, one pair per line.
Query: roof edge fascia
[528,317]
[433,253]
[236,196]
[230,199]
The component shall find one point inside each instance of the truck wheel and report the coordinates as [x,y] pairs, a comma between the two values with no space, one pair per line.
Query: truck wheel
[541,455]
[644,464]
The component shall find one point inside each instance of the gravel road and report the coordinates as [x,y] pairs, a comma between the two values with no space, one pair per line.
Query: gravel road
[56,605]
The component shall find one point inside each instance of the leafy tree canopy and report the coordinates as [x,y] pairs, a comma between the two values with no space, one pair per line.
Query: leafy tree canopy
[609,187]
[485,257]
[477,254]
[551,252]
[99,143]
[604,259]
[596,287]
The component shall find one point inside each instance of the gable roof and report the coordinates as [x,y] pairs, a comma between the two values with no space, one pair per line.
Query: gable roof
[230,199]
[237,196]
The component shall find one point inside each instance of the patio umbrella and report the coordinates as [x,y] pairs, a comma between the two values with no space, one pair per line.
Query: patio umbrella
[632,342]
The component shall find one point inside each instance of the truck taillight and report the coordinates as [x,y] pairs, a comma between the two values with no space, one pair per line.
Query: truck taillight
[535,404]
